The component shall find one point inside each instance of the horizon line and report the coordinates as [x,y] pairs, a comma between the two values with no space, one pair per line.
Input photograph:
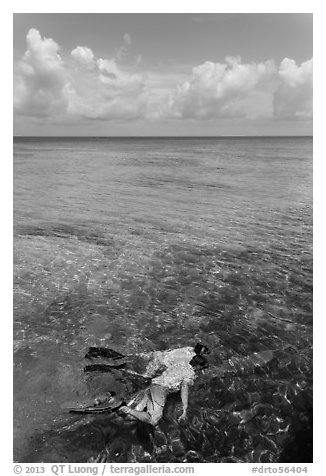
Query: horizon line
[159,136]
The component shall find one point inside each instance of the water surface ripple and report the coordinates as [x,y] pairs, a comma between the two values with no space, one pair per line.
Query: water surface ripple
[144,244]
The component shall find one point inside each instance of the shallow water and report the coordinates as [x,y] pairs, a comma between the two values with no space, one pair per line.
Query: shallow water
[143,244]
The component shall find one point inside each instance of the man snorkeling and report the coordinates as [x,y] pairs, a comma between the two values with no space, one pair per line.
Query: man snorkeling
[167,372]
[179,370]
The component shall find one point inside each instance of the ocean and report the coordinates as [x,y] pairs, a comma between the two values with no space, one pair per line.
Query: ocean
[142,244]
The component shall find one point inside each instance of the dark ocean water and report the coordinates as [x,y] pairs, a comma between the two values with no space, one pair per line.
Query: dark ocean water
[149,244]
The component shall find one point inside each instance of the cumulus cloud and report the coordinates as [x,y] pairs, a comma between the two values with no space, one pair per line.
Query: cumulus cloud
[84,56]
[108,68]
[83,86]
[102,90]
[229,89]
[40,78]
[238,90]
[293,97]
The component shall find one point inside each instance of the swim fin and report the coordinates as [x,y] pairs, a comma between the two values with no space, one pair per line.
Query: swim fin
[94,352]
[103,367]
[105,407]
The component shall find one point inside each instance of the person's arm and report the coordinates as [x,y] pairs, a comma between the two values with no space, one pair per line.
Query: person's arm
[184,399]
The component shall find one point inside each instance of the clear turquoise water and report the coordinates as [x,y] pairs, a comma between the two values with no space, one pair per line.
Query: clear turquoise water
[143,244]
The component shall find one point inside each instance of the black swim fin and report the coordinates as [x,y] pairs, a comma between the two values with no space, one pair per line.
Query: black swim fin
[94,352]
[98,409]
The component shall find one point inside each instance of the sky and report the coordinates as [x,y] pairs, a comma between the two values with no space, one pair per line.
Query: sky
[147,74]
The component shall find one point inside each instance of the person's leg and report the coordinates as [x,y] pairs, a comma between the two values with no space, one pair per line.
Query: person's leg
[155,405]
[139,415]
[135,408]
[158,394]
[139,402]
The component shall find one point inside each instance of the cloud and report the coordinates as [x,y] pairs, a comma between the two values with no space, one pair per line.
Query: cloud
[245,90]
[127,39]
[229,89]
[82,86]
[40,78]
[84,56]
[102,90]
[294,95]
[123,50]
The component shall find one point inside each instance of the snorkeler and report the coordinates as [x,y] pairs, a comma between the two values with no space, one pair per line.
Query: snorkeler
[162,373]
[178,369]
[166,372]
